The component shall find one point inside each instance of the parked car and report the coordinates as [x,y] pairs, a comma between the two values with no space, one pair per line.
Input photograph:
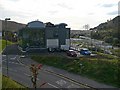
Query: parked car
[85,51]
[71,53]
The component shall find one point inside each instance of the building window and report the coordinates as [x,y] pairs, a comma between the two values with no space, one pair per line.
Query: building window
[55,34]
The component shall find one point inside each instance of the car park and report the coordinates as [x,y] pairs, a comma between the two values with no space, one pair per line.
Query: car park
[71,53]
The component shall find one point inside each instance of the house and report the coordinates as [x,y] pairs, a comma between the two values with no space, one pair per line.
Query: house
[41,35]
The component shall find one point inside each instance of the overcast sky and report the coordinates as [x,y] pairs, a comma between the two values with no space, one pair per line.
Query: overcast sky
[75,13]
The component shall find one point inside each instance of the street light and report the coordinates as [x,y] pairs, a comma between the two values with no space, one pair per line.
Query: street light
[6,19]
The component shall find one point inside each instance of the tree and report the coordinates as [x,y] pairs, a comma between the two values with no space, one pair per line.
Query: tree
[87,26]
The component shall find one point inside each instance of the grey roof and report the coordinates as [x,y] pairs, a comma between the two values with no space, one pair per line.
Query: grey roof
[36,24]
[64,24]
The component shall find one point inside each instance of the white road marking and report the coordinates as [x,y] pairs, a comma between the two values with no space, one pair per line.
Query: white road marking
[13,58]
[52,85]
[12,62]
[61,82]
[27,75]
[72,86]
[3,55]
[18,59]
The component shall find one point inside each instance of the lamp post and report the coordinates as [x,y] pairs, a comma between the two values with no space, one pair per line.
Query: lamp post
[6,19]
[91,39]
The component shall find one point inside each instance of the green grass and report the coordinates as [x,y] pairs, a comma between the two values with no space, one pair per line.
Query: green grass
[107,56]
[3,44]
[102,70]
[0,45]
[116,52]
[9,83]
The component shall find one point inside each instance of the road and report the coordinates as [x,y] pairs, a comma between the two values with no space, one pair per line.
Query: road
[21,74]
[53,77]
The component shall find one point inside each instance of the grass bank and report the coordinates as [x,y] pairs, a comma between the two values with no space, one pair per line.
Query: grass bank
[3,44]
[9,83]
[102,70]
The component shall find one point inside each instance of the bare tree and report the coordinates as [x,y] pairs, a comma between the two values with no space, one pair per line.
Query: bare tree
[87,26]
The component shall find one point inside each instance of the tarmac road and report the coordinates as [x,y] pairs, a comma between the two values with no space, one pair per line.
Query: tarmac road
[21,74]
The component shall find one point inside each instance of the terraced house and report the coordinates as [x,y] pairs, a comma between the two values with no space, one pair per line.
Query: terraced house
[39,35]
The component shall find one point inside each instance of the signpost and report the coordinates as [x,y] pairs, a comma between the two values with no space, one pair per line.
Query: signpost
[34,69]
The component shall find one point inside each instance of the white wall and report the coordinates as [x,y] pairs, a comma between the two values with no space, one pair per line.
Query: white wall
[66,46]
[52,43]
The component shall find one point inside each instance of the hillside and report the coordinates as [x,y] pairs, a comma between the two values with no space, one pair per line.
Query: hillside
[12,26]
[110,24]
[108,31]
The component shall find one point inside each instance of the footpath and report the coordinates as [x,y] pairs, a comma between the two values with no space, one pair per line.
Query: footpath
[84,80]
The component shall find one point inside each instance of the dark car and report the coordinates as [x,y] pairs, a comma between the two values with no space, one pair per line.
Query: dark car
[71,53]
[85,52]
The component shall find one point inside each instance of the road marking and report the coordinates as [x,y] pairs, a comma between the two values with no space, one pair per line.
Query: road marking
[72,86]
[61,82]
[52,85]
[27,75]
[12,62]
[18,59]
[13,58]
[76,83]
[4,55]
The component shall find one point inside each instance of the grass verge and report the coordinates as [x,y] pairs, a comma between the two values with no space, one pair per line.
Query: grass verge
[102,70]
[9,83]
[3,44]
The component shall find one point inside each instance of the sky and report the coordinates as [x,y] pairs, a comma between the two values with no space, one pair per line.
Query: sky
[75,13]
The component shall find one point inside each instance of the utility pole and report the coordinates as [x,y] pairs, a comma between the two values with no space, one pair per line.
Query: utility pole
[91,39]
[6,37]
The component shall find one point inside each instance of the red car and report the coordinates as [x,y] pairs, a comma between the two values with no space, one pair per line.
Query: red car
[71,53]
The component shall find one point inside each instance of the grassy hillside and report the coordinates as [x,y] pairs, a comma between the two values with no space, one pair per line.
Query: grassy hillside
[108,31]
[12,26]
